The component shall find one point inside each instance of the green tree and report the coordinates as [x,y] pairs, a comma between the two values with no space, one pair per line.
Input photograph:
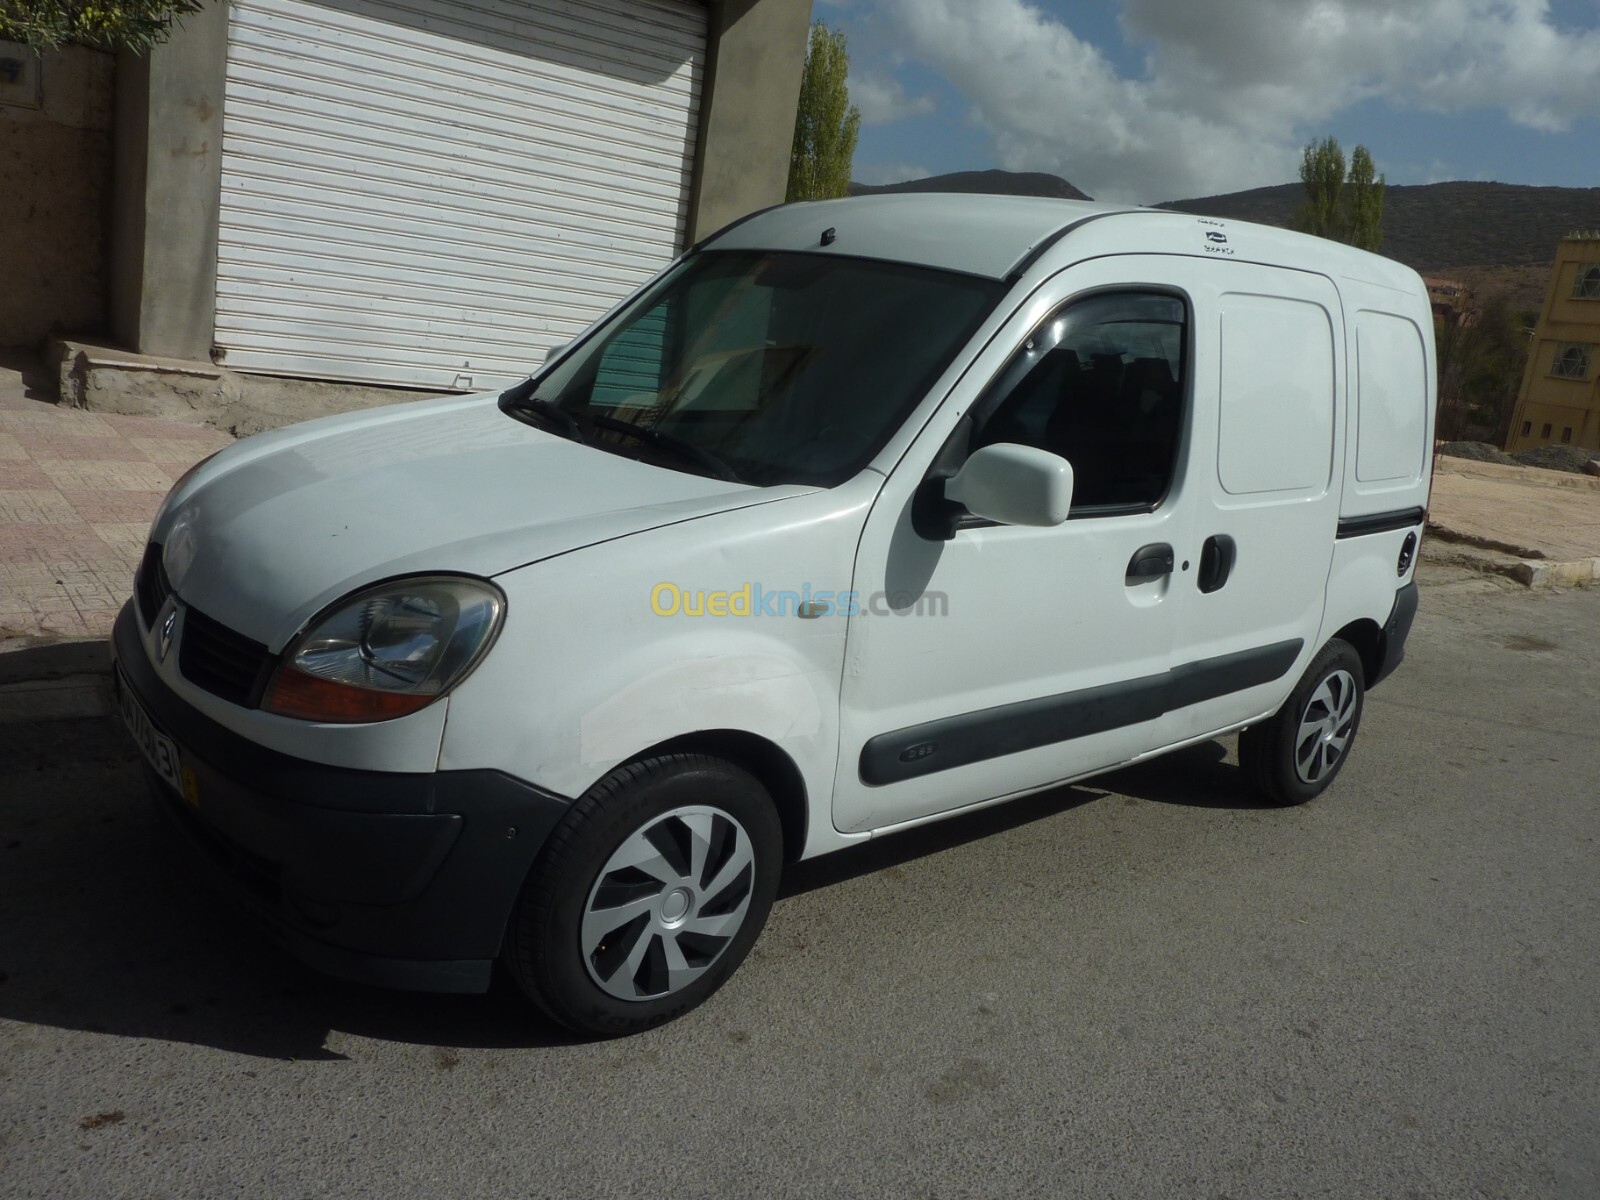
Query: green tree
[1481,357]
[826,124]
[105,24]
[1344,205]
[1322,175]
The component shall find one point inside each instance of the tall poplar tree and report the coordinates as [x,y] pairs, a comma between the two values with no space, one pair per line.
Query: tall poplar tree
[1363,202]
[1345,205]
[826,124]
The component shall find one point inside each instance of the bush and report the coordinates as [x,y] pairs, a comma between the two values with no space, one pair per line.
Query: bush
[104,24]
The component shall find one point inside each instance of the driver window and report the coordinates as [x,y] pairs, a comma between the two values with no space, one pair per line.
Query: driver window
[1101,384]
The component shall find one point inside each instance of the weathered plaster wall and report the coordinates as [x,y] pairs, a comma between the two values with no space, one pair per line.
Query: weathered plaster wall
[168,189]
[55,178]
[747,109]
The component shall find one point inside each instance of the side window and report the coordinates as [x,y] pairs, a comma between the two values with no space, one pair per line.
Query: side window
[1101,384]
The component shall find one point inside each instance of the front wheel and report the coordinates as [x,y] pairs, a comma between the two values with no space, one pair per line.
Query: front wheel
[648,895]
[1294,754]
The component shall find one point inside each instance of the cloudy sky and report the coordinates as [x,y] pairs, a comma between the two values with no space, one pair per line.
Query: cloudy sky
[1151,100]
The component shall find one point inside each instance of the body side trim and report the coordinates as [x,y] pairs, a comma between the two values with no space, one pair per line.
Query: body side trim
[1030,724]
[1383,522]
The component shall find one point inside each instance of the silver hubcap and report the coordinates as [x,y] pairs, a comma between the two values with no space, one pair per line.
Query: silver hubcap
[667,903]
[1325,727]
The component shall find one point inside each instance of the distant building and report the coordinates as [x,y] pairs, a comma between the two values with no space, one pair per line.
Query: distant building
[1451,301]
[1559,403]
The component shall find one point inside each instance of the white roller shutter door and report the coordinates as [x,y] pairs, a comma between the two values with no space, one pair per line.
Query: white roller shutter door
[432,194]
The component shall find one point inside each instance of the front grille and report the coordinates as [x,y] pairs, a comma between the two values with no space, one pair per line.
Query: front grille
[150,584]
[224,663]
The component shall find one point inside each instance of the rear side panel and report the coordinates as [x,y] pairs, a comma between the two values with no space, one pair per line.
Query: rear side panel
[1265,463]
[1388,457]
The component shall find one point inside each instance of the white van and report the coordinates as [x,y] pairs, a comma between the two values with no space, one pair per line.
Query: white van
[862,514]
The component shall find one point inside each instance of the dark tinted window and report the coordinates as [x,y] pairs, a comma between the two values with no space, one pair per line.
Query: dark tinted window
[784,368]
[1101,384]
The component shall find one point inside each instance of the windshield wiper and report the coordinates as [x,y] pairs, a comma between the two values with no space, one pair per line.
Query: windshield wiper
[551,414]
[554,416]
[673,445]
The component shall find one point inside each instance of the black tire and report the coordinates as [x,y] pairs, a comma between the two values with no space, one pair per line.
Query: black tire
[664,811]
[1295,754]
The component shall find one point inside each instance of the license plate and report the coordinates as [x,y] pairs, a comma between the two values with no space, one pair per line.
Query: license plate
[160,751]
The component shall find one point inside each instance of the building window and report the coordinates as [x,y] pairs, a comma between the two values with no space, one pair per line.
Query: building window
[1566,434]
[1587,284]
[1571,360]
[1527,428]
[1545,432]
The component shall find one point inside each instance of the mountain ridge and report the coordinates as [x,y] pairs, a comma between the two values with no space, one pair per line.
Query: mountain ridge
[1502,236]
[990,182]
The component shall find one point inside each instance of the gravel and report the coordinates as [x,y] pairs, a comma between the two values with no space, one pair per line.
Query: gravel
[1555,458]
[1551,458]
[1478,452]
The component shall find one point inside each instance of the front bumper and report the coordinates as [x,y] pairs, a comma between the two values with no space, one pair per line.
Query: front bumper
[398,879]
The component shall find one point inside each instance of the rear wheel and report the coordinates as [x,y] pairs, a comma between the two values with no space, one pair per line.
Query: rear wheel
[648,895]
[1294,755]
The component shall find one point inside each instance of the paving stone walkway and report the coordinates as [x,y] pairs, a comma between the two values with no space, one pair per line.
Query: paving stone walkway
[77,492]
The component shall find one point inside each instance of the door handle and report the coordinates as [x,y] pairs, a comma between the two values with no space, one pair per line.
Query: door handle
[1150,562]
[1216,562]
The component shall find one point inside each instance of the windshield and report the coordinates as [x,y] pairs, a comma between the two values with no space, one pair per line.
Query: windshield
[764,368]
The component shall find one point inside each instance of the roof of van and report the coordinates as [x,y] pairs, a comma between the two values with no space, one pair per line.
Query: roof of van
[999,237]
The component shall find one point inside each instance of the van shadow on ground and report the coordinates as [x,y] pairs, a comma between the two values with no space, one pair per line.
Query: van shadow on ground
[1198,776]
[110,927]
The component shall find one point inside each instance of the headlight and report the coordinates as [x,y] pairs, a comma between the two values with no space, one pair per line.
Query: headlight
[177,485]
[386,651]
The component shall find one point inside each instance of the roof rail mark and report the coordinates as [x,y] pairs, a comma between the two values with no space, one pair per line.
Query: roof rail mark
[1037,251]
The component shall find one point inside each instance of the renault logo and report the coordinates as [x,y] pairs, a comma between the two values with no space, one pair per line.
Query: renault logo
[164,638]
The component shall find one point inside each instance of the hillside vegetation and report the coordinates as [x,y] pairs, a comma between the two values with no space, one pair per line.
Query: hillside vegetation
[1437,225]
[1494,237]
[992,183]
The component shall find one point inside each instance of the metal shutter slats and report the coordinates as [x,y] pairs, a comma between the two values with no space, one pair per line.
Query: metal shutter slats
[432,194]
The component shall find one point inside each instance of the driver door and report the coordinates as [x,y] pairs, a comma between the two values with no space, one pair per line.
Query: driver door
[1006,658]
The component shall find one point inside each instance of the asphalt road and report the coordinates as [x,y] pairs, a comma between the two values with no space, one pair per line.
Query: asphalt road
[1146,986]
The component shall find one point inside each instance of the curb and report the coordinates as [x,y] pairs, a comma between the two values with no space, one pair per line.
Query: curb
[1495,558]
[1473,541]
[54,679]
[1574,572]
[1527,566]
[1537,476]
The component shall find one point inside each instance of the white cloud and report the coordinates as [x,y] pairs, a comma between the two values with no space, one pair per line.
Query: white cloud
[884,100]
[1309,58]
[874,174]
[1051,101]
[1232,91]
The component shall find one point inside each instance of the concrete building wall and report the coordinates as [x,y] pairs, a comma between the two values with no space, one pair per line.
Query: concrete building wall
[55,186]
[168,161]
[168,189]
[1556,409]
[757,54]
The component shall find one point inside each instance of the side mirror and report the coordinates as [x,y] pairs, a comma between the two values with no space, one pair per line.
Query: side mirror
[1014,485]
